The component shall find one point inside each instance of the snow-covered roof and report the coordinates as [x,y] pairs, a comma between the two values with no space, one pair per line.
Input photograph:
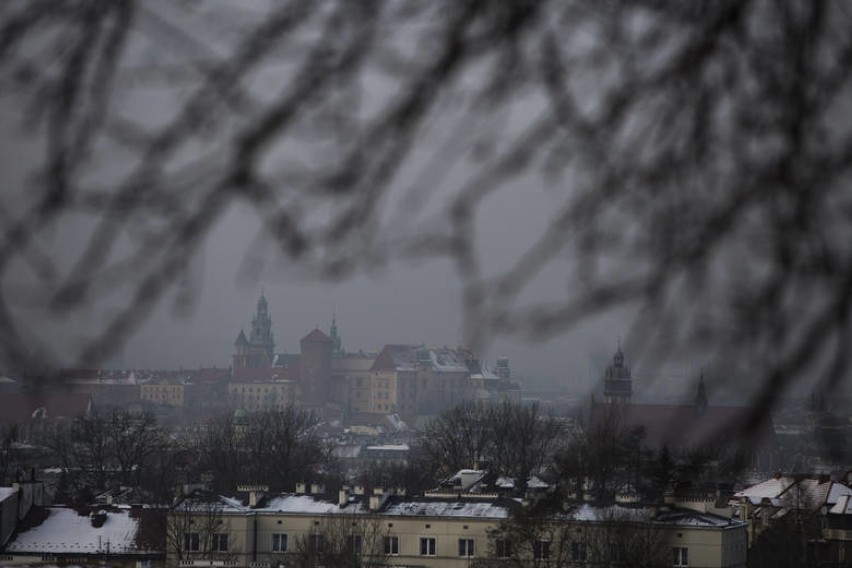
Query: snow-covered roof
[837,491]
[795,492]
[308,504]
[6,492]
[843,506]
[447,508]
[590,513]
[765,490]
[664,516]
[65,531]
[390,447]
[398,424]
[533,482]
[448,361]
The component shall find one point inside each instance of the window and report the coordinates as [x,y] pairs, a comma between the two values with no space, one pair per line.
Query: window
[427,546]
[392,545]
[503,548]
[541,550]
[316,543]
[279,542]
[191,542]
[354,544]
[680,556]
[465,547]
[220,542]
[578,551]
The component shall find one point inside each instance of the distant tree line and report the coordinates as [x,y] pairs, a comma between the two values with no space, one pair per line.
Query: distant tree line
[122,449]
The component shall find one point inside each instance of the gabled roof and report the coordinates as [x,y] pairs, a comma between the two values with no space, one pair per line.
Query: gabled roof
[796,492]
[843,506]
[402,357]
[395,356]
[316,336]
[63,530]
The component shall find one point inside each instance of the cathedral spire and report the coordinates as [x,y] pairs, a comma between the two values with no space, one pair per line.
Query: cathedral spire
[618,381]
[261,327]
[701,395]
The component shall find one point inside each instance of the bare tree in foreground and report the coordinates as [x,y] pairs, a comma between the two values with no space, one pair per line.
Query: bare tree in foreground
[509,439]
[697,157]
[275,448]
[347,541]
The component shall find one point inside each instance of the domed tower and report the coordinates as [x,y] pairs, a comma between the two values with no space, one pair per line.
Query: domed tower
[618,382]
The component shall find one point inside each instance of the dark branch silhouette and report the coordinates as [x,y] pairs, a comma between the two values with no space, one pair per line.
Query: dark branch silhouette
[698,155]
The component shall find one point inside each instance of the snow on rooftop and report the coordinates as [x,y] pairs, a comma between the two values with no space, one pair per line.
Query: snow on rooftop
[392,447]
[837,491]
[397,422]
[447,361]
[424,508]
[677,517]
[65,531]
[308,504]
[6,492]
[533,482]
[807,492]
[843,506]
[766,489]
[590,513]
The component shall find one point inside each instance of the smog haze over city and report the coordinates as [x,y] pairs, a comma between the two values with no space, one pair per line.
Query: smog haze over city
[434,283]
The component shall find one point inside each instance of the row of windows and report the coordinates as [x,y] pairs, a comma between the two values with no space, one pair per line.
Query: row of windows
[390,544]
[218,542]
[428,547]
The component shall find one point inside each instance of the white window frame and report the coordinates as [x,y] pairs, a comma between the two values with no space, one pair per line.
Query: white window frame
[429,544]
[217,540]
[467,547]
[282,542]
[391,545]
[680,556]
[191,542]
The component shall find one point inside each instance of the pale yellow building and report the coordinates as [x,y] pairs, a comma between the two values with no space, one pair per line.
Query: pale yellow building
[165,392]
[351,384]
[274,394]
[446,531]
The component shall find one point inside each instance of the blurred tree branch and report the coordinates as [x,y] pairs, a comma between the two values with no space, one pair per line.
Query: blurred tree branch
[698,157]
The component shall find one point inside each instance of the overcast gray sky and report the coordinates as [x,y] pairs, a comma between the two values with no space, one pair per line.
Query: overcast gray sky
[608,161]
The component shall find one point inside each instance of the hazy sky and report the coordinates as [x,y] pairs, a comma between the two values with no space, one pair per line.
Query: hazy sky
[411,302]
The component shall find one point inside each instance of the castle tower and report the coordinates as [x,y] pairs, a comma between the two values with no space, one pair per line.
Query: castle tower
[253,355]
[261,329]
[618,381]
[315,368]
[336,340]
[701,396]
